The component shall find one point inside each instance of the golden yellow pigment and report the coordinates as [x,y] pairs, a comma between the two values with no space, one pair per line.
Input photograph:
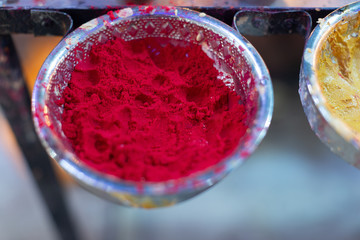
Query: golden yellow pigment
[338,71]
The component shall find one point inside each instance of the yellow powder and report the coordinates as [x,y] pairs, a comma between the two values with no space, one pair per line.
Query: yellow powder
[338,71]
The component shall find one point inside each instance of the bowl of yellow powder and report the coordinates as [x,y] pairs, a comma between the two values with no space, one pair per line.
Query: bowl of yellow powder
[330,82]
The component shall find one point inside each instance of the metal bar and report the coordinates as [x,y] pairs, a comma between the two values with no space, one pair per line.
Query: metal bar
[87,4]
[60,21]
[15,101]
[262,23]
[38,22]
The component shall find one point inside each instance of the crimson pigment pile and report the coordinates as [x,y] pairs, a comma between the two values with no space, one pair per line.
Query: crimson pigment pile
[148,110]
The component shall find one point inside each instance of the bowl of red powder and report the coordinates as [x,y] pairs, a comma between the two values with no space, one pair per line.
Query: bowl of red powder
[149,106]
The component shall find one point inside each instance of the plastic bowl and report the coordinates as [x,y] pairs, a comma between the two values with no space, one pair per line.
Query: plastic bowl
[238,58]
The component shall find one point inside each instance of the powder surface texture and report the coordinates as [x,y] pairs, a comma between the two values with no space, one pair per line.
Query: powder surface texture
[338,72]
[150,110]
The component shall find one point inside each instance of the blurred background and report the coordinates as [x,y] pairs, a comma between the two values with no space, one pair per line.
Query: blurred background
[292,187]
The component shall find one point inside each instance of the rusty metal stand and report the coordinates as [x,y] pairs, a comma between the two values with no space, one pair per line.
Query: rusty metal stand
[15,102]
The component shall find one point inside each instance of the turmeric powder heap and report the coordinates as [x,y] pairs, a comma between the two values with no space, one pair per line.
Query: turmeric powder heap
[338,71]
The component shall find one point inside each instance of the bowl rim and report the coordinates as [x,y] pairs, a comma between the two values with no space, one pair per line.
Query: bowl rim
[309,61]
[200,180]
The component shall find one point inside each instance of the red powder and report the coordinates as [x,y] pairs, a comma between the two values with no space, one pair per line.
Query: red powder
[39,2]
[167,8]
[147,9]
[111,15]
[143,111]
